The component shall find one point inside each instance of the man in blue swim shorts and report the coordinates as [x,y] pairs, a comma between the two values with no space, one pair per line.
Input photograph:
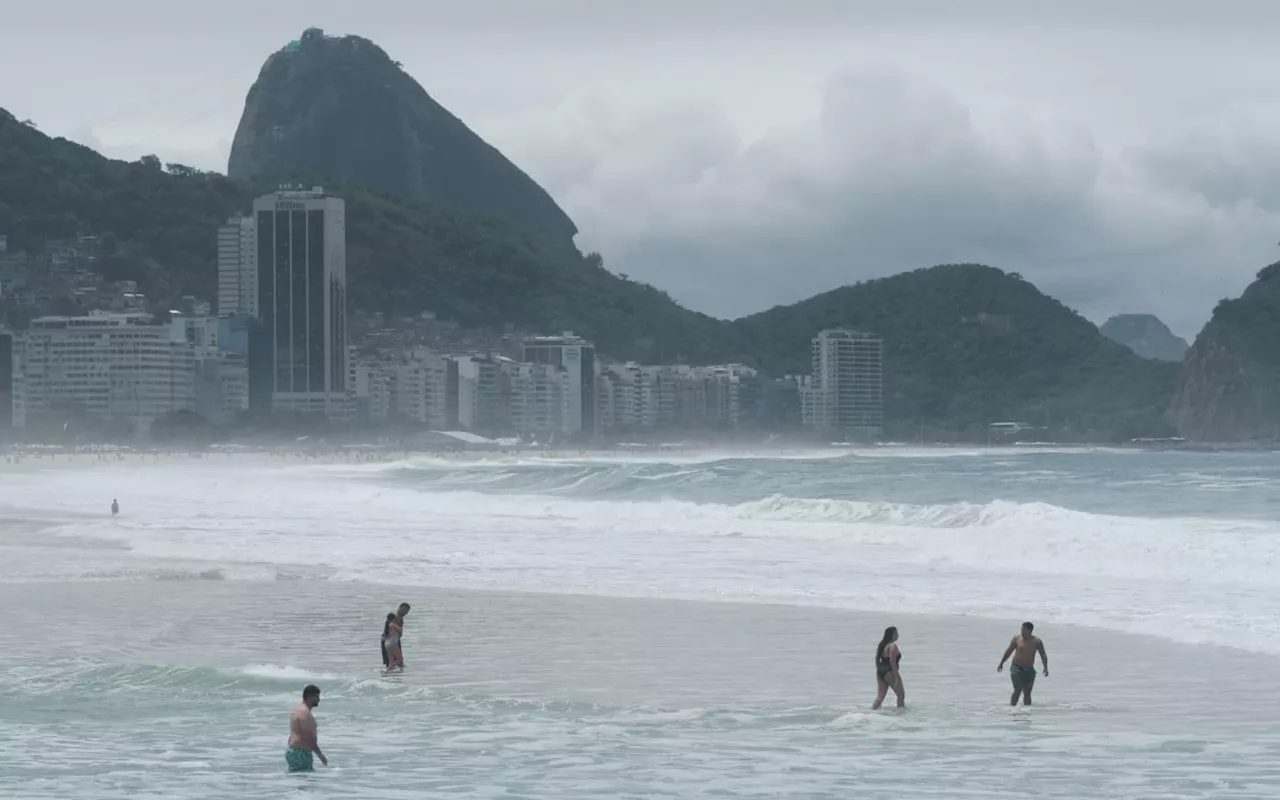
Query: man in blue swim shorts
[303,738]
[1023,648]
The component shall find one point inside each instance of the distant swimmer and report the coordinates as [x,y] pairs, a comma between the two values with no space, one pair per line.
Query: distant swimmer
[115,507]
[888,657]
[400,613]
[391,630]
[1023,648]
[303,738]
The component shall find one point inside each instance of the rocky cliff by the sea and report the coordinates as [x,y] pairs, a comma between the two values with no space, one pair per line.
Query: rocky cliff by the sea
[338,108]
[1145,335]
[1229,390]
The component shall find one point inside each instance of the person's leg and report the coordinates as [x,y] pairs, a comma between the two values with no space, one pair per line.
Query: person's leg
[882,689]
[1026,691]
[901,692]
[1017,686]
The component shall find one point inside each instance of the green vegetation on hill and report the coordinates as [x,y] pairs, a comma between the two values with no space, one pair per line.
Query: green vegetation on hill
[1229,389]
[969,345]
[964,344]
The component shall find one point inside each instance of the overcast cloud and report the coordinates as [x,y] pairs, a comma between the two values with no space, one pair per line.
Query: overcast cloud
[742,155]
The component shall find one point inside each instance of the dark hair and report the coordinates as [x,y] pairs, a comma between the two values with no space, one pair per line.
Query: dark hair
[1028,626]
[311,691]
[406,606]
[889,633]
[386,626]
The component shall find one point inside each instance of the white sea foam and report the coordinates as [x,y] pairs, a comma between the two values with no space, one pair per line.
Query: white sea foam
[1189,579]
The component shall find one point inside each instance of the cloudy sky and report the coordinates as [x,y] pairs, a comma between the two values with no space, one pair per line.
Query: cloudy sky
[1122,155]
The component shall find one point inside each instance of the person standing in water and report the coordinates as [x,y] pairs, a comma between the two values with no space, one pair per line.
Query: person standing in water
[887,676]
[115,507]
[303,738]
[400,613]
[1023,648]
[391,632]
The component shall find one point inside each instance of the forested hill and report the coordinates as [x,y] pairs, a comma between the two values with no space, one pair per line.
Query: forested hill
[968,344]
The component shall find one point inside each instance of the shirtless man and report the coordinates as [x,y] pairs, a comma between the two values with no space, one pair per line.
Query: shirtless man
[303,740]
[1023,648]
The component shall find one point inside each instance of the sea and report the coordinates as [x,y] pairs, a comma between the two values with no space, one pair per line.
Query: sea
[675,625]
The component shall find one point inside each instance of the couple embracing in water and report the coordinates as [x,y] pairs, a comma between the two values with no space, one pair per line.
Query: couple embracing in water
[392,630]
[1023,648]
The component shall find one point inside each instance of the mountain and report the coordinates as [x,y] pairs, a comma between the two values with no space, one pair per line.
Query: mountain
[1145,335]
[964,344]
[339,110]
[970,344]
[1229,390]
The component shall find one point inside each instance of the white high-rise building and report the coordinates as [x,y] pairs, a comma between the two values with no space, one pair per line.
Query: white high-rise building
[846,391]
[419,389]
[238,268]
[577,357]
[542,400]
[301,242]
[106,366]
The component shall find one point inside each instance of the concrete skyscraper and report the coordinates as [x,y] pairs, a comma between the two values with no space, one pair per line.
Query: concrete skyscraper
[238,268]
[577,357]
[846,390]
[301,266]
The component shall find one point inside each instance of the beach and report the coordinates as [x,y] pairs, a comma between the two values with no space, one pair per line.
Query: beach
[687,628]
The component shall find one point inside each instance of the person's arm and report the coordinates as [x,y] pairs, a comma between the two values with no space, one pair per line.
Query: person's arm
[892,653]
[1013,643]
[315,742]
[1044,657]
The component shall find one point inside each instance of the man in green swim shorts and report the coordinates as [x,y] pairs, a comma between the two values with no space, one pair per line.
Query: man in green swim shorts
[1023,648]
[303,739]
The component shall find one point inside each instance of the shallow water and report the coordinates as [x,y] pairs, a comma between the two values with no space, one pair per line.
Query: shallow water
[158,655]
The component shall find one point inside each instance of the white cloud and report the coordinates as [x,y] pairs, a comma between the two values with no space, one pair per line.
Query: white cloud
[892,173]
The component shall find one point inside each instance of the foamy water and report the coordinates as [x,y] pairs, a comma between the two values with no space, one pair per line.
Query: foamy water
[1176,546]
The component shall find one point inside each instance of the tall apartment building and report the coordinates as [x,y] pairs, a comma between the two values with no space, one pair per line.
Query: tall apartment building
[238,268]
[301,266]
[418,389]
[484,393]
[577,357]
[106,366]
[846,390]
[636,396]
[542,401]
[222,384]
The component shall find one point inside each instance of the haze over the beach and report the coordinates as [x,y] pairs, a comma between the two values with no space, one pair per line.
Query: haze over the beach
[1120,156]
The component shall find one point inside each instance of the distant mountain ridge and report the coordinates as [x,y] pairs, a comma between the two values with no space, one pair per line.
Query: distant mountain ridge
[1145,335]
[338,109]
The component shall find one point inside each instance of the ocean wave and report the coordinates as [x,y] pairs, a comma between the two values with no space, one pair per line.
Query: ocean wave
[110,679]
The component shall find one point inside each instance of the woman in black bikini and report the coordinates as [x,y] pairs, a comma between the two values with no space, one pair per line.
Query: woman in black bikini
[887,676]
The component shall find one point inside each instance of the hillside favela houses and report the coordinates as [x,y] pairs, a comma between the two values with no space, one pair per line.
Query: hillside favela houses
[280,345]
